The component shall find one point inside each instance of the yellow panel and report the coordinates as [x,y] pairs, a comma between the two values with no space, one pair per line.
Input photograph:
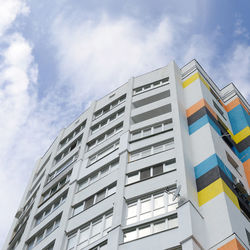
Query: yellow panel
[214,189]
[210,192]
[244,133]
[190,80]
[204,82]
[230,194]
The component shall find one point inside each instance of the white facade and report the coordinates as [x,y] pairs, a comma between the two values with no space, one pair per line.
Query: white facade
[107,181]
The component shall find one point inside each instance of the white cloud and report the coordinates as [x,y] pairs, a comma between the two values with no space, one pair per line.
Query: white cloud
[9,10]
[97,57]
[236,69]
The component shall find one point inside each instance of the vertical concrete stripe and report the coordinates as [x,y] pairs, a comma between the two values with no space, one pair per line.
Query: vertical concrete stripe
[232,245]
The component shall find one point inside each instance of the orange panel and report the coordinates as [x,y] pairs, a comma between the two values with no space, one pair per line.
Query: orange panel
[232,245]
[194,108]
[235,103]
[246,165]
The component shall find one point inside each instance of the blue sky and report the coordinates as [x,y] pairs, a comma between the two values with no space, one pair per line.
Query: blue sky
[57,56]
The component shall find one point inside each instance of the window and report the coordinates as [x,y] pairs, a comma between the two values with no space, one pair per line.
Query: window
[43,233]
[151,206]
[102,194]
[219,110]
[232,161]
[152,171]
[151,86]
[105,136]
[56,187]
[152,130]
[102,246]
[100,154]
[72,134]
[156,148]
[64,166]
[151,228]
[109,107]
[90,233]
[68,149]
[107,120]
[107,169]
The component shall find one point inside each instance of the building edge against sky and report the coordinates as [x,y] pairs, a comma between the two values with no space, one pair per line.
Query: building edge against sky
[109,179]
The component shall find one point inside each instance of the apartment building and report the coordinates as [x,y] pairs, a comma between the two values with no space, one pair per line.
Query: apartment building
[160,163]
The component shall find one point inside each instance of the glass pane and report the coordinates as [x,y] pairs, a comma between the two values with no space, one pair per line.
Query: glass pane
[147,87]
[111,190]
[104,171]
[145,174]
[145,206]
[96,228]
[132,210]
[146,215]
[89,202]
[159,211]
[71,242]
[128,236]
[158,148]
[93,178]
[84,235]
[172,222]
[108,222]
[83,184]
[170,198]
[101,195]
[146,152]
[157,129]
[56,204]
[78,209]
[144,231]
[172,207]
[49,229]
[147,132]
[133,177]
[138,90]
[136,135]
[131,220]
[135,156]
[158,202]
[159,226]
[103,247]
[157,170]
[114,164]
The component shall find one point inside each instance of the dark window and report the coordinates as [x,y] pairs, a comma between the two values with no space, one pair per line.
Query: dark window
[157,170]
[248,236]
[101,195]
[145,174]
[89,202]
[231,160]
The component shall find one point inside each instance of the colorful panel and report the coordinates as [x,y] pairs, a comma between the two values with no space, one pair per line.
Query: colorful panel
[232,245]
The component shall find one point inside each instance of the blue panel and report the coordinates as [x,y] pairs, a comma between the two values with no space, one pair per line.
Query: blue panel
[211,122]
[205,166]
[239,119]
[244,155]
[198,124]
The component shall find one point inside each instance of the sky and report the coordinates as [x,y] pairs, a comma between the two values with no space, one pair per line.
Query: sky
[58,56]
